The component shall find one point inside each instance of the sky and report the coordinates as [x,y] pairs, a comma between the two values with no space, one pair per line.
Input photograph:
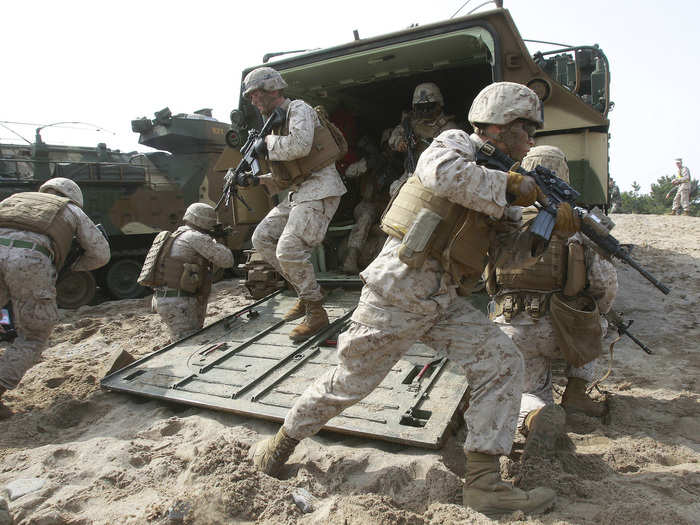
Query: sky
[106,63]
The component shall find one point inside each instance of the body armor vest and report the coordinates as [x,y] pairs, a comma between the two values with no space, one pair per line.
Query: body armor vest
[40,213]
[186,274]
[460,241]
[325,150]
[546,275]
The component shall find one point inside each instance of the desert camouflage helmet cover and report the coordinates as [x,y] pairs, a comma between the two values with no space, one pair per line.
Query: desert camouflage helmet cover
[66,187]
[503,102]
[427,92]
[201,215]
[549,157]
[263,78]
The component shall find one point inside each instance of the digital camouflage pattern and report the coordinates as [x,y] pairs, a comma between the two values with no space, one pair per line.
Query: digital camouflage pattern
[536,340]
[290,231]
[286,237]
[28,280]
[184,315]
[401,305]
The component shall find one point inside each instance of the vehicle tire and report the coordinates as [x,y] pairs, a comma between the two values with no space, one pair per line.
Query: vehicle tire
[76,289]
[120,279]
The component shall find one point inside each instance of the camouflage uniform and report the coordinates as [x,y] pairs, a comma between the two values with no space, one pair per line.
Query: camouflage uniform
[682,198]
[400,305]
[536,341]
[424,129]
[184,315]
[289,232]
[28,279]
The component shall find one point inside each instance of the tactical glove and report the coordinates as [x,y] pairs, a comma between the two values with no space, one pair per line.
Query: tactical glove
[260,147]
[568,221]
[522,190]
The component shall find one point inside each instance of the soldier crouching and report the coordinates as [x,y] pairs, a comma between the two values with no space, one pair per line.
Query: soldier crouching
[36,233]
[181,265]
[411,297]
[524,306]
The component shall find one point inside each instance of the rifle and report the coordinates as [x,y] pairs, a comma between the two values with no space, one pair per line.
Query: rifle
[410,138]
[246,173]
[615,319]
[556,192]
[220,231]
[75,252]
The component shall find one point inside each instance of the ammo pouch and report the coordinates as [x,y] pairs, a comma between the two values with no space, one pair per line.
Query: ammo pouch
[328,145]
[510,305]
[576,322]
[191,278]
[432,226]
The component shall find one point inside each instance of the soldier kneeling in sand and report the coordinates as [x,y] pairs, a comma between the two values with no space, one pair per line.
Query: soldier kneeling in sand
[179,267]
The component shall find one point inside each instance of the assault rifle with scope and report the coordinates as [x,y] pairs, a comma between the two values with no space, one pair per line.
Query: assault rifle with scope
[246,173]
[557,192]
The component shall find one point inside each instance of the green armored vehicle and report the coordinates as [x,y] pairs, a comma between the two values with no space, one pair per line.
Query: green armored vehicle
[133,195]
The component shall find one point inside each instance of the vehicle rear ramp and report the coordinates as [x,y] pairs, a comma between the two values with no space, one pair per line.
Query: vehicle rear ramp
[247,365]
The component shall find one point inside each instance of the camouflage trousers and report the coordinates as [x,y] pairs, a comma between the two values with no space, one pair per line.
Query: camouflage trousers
[682,198]
[181,315]
[381,333]
[288,234]
[538,346]
[27,278]
[365,216]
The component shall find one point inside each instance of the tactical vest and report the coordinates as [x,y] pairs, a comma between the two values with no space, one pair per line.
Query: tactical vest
[327,147]
[460,241]
[546,275]
[426,131]
[186,274]
[40,213]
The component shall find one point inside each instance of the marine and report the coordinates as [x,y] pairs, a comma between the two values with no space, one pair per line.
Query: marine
[179,267]
[682,181]
[413,295]
[287,235]
[37,230]
[426,120]
[527,305]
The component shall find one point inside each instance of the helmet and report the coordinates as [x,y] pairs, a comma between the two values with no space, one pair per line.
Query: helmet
[201,215]
[549,157]
[263,78]
[503,102]
[66,187]
[427,92]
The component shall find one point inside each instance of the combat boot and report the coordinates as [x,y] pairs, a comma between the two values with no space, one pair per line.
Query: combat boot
[316,319]
[485,491]
[575,399]
[686,212]
[350,265]
[297,311]
[543,427]
[271,454]
[672,212]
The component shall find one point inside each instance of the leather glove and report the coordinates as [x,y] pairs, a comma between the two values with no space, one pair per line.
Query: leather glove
[568,221]
[523,187]
[260,147]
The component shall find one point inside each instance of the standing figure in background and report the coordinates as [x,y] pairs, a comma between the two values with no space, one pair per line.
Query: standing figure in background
[419,127]
[287,235]
[181,263]
[682,198]
[615,198]
[37,230]
[571,277]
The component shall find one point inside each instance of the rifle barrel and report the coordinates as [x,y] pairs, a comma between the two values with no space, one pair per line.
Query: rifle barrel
[634,264]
